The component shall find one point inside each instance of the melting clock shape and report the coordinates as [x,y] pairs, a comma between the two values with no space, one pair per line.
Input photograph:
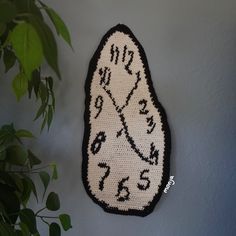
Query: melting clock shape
[126,144]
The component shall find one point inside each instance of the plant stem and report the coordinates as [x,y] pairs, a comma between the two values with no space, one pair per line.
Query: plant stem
[40,211]
[22,172]
[40,168]
[45,221]
[47,217]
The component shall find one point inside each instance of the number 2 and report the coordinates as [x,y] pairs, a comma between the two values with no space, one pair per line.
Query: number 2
[143,103]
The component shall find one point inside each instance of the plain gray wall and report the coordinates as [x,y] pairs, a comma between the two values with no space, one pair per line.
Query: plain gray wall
[191,49]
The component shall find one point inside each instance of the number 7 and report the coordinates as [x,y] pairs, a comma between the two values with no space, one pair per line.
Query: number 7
[107,172]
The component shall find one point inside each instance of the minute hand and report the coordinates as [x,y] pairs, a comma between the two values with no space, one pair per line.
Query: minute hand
[153,156]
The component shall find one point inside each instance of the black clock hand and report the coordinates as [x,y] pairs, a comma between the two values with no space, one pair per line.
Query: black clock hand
[153,157]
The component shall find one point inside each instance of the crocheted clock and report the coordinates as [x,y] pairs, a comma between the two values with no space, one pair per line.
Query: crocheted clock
[126,145]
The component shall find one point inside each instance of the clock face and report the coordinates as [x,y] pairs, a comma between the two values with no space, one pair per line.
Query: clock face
[126,143]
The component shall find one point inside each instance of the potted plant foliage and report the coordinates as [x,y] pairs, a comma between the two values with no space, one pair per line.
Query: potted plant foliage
[26,42]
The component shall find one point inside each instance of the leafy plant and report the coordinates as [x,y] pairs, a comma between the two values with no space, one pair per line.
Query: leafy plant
[17,165]
[26,43]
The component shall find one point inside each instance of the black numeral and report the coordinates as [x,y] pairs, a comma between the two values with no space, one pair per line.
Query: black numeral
[143,110]
[105,75]
[114,53]
[98,104]
[123,191]
[154,154]
[151,124]
[127,66]
[124,53]
[97,143]
[142,177]
[107,172]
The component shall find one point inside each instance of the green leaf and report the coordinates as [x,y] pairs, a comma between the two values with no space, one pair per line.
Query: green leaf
[10,201]
[37,234]
[18,233]
[65,221]
[31,186]
[16,155]
[44,122]
[34,83]
[27,46]
[33,159]
[2,153]
[3,230]
[53,202]
[18,182]
[27,6]
[45,178]
[2,28]
[4,213]
[53,100]
[50,115]
[27,217]
[24,229]
[7,11]
[54,171]
[26,192]
[20,85]
[59,24]
[54,229]
[7,134]
[7,179]
[40,111]
[48,43]
[9,59]
[22,133]
[50,83]
[6,229]
[8,128]
[43,92]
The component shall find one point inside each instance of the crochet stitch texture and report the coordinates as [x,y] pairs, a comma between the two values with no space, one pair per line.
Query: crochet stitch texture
[126,146]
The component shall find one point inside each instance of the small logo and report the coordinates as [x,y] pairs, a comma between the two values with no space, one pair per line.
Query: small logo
[170,182]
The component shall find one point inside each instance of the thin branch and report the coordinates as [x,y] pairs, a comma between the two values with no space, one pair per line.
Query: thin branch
[47,217]
[40,211]
[45,221]
[40,168]
[22,172]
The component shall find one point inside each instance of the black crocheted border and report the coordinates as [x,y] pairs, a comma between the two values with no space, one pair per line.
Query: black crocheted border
[166,166]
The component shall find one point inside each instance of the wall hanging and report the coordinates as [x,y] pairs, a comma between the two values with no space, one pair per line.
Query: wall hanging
[126,144]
